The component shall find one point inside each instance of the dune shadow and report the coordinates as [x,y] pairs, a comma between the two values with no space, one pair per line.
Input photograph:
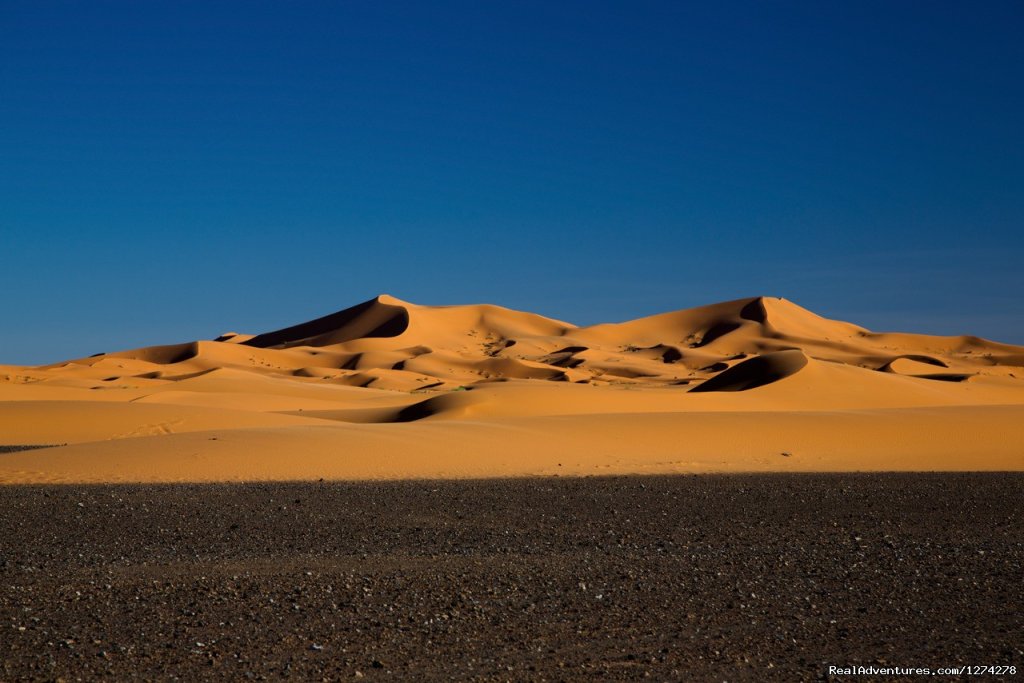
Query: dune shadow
[755,372]
[368,319]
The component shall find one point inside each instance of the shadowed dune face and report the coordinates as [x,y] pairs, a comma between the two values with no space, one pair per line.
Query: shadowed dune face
[160,355]
[453,382]
[373,318]
[756,372]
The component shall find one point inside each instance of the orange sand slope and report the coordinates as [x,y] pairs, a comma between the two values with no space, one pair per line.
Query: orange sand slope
[388,389]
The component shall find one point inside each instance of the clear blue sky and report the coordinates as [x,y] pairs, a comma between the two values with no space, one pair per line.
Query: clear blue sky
[170,171]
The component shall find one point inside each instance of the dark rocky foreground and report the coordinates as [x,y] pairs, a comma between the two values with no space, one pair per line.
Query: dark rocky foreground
[689,578]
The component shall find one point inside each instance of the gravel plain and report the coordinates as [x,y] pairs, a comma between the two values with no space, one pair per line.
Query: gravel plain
[760,577]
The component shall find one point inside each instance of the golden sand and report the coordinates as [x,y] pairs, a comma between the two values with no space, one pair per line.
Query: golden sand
[389,390]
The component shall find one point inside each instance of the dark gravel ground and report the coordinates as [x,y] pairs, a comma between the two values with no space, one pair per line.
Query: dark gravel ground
[27,447]
[676,578]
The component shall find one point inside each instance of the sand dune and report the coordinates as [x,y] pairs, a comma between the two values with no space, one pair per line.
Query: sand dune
[391,389]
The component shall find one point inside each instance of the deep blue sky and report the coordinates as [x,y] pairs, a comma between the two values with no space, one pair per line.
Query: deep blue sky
[169,171]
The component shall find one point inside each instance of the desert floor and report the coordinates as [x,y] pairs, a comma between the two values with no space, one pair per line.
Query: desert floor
[738,577]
